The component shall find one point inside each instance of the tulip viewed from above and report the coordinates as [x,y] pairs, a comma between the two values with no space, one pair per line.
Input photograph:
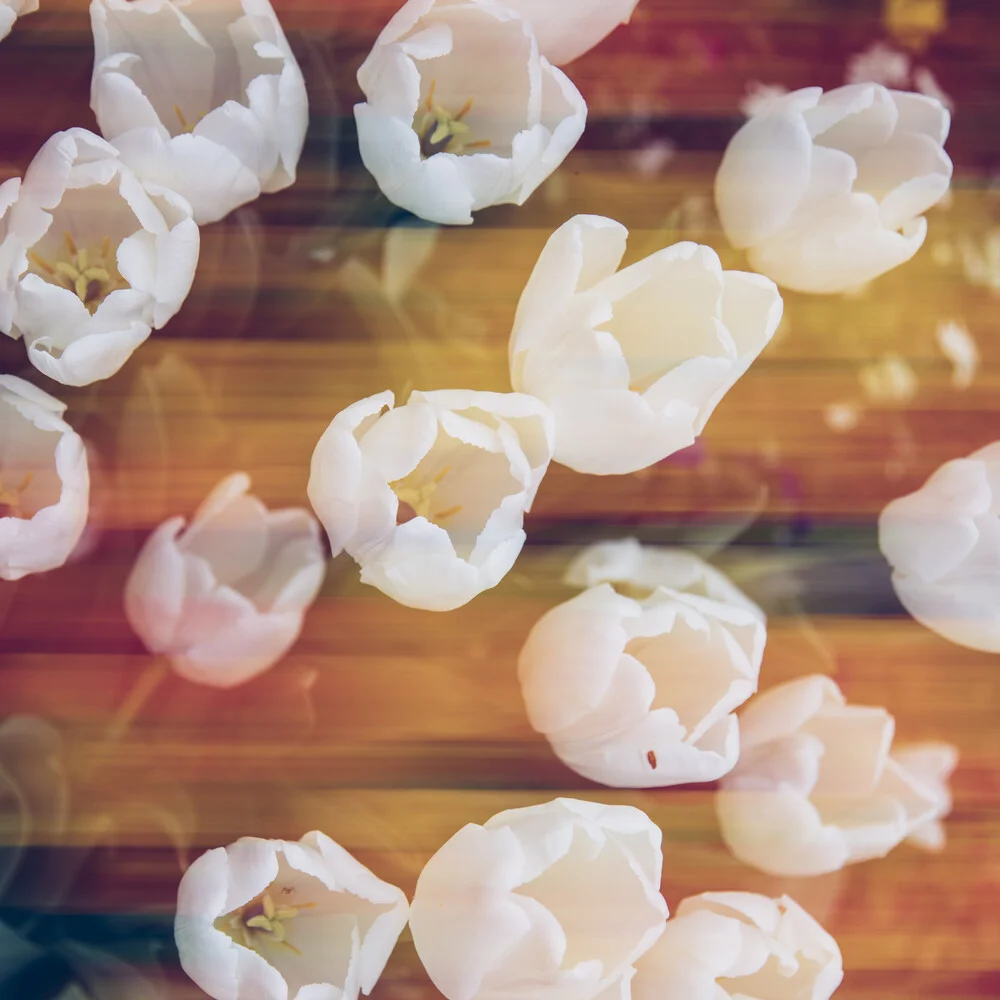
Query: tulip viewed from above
[90,258]
[819,784]
[553,902]
[201,96]
[44,481]
[461,111]
[284,920]
[740,944]
[633,362]
[429,497]
[943,543]
[641,692]
[827,191]
[11,10]
[224,598]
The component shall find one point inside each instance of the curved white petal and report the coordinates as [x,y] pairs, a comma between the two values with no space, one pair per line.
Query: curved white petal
[565,30]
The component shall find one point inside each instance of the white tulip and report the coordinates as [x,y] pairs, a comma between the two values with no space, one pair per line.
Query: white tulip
[90,258]
[943,543]
[11,10]
[551,902]
[44,481]
[633,362]
[202,96]
[461,112]
[224,597]
[740,944]
[816,786]
[285,920]
[827,191]
[640,569]
[462,466]
[565,29]
[641,694]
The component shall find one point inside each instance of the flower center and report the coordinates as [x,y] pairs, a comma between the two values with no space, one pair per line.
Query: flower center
[91,274]
[442,132]
[262,921]
[418,496]
[186,126]
[10,499]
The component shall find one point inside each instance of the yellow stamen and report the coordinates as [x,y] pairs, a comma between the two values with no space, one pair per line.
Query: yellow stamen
[70,243]
[440,131]
[443,515]
[261,921]
[181,119]
[90,274]
[41,262]
[11,499]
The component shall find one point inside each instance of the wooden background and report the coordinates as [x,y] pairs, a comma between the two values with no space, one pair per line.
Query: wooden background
[390,728]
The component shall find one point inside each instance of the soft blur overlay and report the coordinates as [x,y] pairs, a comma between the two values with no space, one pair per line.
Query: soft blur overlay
[389,728]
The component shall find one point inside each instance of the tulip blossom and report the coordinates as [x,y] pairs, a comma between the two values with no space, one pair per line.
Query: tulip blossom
[641,693]
[224,598]
[44,481]
[740,944]
[429,498]
[942,544]
[285,920]
[552,902]
[827,191]
[90,258]
[461,111]
[637,570]
[632,362]
[11,10]
[819,785]
[201,96]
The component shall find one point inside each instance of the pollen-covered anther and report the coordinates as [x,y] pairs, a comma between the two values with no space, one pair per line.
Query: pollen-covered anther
[91,280]
[442,132]
[10,499]
[262,917]
[418,498]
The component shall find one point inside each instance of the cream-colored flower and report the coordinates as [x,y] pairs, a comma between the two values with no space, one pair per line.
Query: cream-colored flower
[202,96]
[90,258]
[633,362]
[11,10]
[552,902]
[818,785]
[44,481]
[943,543]
[280,920]
[461,112]
[740,944]
[958,345]
[429,498]
[224,597]
[827,191]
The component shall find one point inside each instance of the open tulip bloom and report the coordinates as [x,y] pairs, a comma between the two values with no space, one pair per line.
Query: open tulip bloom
[632,362]
[224,597]
[11,10]
[818,784]
[553,902]
[280,920]
[44,481]
[90,258]
[641,693]
[943,543]
[739,944]
[429,497]
[827,191]
[201,96]
[461,111]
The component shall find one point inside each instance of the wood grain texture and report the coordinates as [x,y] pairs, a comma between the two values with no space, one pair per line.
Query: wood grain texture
[390,728]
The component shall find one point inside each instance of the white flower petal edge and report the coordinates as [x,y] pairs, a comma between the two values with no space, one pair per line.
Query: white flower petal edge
[565,29]
[224,598]
[500,908]
[757,947]
[202,96]
[641,694]
[633,362]
[645,567]
[463,466]
[943,543]
[90,258]
[818,786]
[827,191]
[11,10]
[280,920]
[460,110]
[44,481]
